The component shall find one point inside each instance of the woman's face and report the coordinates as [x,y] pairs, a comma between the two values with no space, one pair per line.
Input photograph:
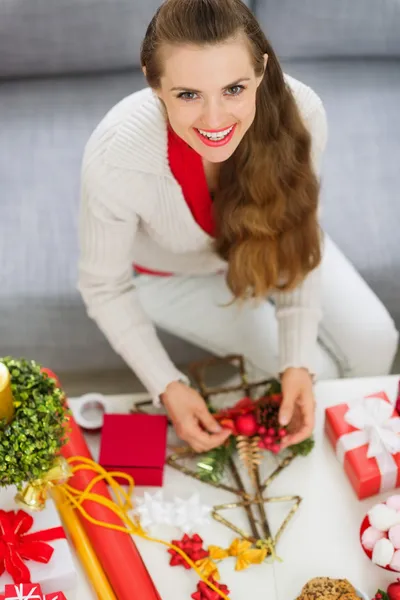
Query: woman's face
[210,95]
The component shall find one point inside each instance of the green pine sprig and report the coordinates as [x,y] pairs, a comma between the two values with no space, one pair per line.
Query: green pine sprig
[212,464]
[303,448]
[273,387]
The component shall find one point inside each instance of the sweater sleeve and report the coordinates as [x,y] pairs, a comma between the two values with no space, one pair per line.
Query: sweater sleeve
[299,311]
[106,283]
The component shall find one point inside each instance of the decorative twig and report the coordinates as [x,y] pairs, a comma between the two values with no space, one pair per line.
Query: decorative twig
[197,369]
[298,500]
[172,461]
[215,514]
[282,465]
[261,507]
[239,483]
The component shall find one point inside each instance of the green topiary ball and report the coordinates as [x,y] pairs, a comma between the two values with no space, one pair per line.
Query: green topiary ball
[32,440]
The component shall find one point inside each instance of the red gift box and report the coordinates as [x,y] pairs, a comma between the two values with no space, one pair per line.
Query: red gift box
[135,444]
[28,591]
[367,442]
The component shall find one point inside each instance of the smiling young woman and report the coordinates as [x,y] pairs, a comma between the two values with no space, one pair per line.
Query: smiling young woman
[208,181]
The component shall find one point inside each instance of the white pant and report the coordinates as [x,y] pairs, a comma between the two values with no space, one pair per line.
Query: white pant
[357,337]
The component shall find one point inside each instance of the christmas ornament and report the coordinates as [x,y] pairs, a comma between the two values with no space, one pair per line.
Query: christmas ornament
[249,453]
[393,590]
[246,424]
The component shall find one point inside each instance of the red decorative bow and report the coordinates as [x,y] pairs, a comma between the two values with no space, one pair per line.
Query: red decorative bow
[16,545]
[191,546]
[206,593]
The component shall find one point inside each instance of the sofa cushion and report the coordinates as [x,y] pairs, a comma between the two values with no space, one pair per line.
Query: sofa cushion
[42,37]
[45,126]
[360,184]
[328,28]
[68,36]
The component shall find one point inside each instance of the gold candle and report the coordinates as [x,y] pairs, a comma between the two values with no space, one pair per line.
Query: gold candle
[6,397]
[83,547]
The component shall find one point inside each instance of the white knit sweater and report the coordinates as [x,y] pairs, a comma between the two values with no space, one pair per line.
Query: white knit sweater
[133,210]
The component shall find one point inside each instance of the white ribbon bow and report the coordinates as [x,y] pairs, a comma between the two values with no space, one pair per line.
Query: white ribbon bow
[22,596]
[376,427]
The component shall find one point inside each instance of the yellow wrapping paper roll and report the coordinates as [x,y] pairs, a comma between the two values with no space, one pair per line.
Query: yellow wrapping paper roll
[83,548]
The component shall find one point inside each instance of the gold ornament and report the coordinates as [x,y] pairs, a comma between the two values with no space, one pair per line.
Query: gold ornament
[34,495]
[249,453]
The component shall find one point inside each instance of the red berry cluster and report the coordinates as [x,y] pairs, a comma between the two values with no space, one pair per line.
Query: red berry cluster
[263,422]
[271,438]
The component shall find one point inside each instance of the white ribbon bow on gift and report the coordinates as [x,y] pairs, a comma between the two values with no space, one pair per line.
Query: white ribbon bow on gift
[22,596]
[376,427]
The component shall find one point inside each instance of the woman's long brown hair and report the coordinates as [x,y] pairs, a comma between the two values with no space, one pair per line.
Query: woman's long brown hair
[265,207]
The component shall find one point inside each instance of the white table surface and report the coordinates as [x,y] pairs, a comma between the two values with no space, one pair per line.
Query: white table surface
[321,540]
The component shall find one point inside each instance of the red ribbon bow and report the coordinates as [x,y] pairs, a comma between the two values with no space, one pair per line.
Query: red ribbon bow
[206,593]
[192,547]
[16,545]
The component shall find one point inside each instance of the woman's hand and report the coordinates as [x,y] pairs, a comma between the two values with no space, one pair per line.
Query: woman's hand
[298,406]
[191,419]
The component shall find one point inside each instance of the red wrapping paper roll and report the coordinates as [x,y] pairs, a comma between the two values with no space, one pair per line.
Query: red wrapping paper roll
[116,550]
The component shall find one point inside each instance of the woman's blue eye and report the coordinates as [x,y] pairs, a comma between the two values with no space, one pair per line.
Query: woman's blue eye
[187,95]
[235,90]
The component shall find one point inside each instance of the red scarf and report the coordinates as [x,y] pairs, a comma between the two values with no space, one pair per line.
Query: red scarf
[187,168]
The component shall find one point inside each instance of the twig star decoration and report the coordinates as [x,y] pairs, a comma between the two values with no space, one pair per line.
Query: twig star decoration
[256,433]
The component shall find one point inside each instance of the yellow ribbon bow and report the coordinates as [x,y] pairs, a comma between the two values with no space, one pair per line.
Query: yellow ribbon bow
[243,551]
[208,568]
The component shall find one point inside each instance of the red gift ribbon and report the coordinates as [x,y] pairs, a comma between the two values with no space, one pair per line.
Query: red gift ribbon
[206,593]
[16,545]
[192,547]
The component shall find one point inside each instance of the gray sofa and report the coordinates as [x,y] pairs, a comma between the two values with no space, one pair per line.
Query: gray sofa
[64,63]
